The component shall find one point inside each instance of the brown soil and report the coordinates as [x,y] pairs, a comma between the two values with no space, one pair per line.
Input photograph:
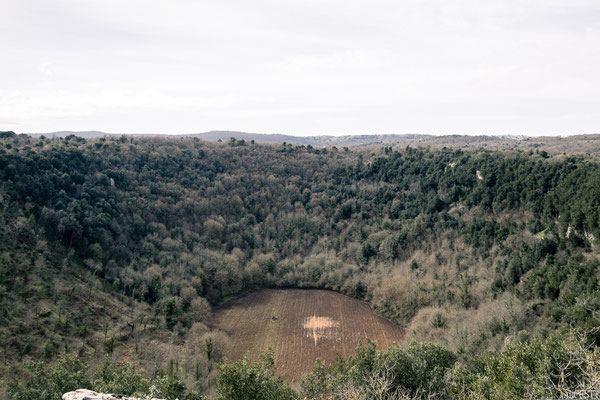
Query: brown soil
[301,326]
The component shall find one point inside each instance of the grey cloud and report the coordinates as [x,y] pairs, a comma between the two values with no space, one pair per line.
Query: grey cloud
[301,67]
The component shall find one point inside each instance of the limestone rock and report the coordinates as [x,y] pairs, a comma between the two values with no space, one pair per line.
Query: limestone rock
[84,394]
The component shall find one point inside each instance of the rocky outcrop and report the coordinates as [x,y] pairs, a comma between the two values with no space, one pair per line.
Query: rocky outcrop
[84,394]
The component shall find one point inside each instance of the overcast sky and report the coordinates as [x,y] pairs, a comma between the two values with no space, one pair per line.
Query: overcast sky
[301,67]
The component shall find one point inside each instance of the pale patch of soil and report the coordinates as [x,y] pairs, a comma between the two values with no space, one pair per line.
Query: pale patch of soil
[321,328]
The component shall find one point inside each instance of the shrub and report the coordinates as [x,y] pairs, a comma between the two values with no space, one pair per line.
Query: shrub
[242,380]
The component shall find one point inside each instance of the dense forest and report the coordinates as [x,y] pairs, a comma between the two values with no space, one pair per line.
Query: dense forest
[116,249]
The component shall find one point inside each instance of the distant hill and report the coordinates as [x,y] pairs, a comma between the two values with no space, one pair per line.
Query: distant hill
[83,134]
[577,144]
[214,136]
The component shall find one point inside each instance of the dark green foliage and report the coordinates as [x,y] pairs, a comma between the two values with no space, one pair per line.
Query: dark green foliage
[529,367]
[242,380]
[169,387]
[6,134]
[111,377]
[208,348]
[525,369]
[51,381]
[418,369]
[439,321]
[164,222]
[122,203]
[169,309]
[558,366]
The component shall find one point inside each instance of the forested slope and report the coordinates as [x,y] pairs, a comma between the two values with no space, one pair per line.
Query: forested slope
[463,248]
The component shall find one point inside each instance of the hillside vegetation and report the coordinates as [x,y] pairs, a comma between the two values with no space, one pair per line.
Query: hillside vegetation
[121,247]
[579,144]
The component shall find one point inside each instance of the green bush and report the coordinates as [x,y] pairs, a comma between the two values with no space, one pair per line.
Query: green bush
[242,380]
[50,382]
[112,377]
[418,369]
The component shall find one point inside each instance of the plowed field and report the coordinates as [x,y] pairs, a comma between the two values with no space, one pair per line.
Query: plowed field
[301,325]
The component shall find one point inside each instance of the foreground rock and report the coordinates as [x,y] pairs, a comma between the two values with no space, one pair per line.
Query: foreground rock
[84,394]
